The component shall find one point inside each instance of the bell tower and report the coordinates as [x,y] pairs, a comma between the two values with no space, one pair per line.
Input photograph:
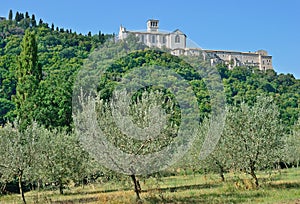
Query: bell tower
[152,25]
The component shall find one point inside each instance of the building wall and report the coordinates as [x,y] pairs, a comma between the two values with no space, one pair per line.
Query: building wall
[266,62]
[153,38]
[259,59]
[176,41]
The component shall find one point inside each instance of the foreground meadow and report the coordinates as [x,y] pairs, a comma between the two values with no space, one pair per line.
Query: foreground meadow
[280,187]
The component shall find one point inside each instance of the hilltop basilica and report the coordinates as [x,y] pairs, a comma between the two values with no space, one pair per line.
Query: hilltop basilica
[176,41]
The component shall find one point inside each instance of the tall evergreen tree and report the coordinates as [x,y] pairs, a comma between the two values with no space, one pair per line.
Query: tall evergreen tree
[27,15]
[17,17]
[26,20]
[41,22]
[33,21]
[101,37]
[28,74]
[10,15]
[21,15]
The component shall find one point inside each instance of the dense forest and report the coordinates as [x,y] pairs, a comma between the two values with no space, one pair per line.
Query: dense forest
[37,92]
[60,54]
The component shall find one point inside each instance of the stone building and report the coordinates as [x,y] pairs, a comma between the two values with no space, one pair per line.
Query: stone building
[152,37]
[176,41]
[259,59]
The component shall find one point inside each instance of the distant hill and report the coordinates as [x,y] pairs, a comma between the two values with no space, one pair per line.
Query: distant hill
[62,51]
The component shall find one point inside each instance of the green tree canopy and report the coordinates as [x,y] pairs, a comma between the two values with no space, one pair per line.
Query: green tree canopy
[28,74]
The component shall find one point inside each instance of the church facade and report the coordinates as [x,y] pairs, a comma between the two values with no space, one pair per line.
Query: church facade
[176,41]
[152,37]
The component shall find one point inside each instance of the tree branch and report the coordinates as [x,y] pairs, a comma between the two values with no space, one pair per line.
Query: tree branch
[2,165]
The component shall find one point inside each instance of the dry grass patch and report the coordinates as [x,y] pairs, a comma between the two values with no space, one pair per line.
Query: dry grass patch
[282,187]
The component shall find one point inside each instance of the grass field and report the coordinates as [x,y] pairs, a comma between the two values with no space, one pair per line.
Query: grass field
[281,187]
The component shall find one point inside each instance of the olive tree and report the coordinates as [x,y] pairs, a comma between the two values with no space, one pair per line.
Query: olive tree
[293,145]
[144,111]
[37,154]
[255,135]
[18,153]
[62,158]
[220,160]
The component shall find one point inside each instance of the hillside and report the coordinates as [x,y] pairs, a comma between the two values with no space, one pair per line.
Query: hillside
[61,53]
[43,148]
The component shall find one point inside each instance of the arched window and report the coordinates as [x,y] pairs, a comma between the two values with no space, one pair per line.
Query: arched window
[177,39]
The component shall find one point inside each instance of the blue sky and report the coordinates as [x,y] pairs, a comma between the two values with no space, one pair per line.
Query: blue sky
[218,24]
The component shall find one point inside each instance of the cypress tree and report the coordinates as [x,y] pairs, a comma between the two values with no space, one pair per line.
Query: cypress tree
[21,16]
[101,37]
[10,15]
[27,15]
[41,22]
[27,20]
[17,17]
[33,21]
[29,74]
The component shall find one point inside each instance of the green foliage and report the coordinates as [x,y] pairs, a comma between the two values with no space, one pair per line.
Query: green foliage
[40,155]
[220,160]
[18,153]
[60,54]
[149,58]
[292,147]
[253,138]
[64,52]
[10,15]
[147,122]
[243,84]
[63,160]
[28,74]
[7,108]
